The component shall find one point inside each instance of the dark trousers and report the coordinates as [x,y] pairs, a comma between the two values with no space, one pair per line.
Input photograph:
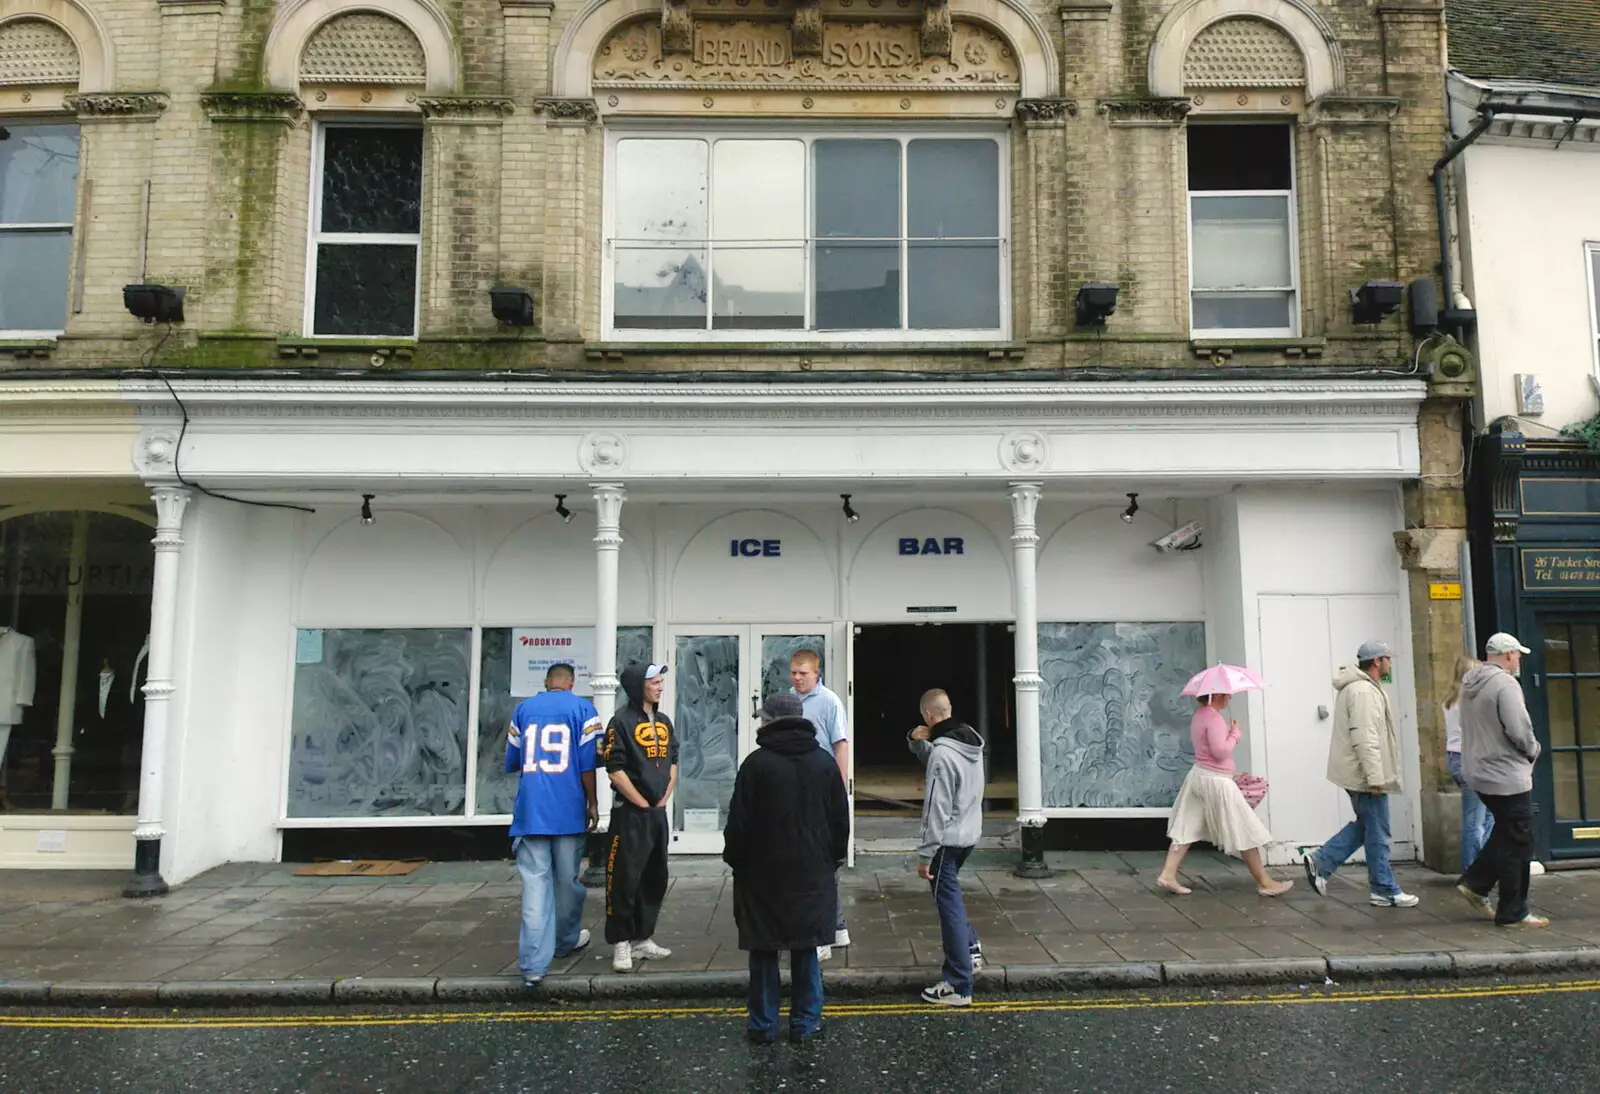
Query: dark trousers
[766,990]
[1504,859]
[636,872]
[954,929]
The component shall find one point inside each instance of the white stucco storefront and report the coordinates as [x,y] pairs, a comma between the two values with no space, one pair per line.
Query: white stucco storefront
[330,674]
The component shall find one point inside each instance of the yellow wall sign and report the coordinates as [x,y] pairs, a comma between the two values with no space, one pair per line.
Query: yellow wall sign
[1444,590]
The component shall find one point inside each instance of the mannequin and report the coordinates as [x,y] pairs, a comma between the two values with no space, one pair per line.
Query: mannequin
[17,671]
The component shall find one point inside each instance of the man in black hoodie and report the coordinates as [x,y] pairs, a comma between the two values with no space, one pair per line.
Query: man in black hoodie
[788,830]
[641,757]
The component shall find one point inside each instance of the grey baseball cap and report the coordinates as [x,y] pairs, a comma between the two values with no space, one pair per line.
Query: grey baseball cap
[1372,650]
[782,704]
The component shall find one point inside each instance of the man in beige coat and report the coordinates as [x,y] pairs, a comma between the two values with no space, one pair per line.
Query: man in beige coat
[1364,760]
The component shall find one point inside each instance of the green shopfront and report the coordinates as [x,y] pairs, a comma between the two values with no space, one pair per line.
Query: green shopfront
[1536,565]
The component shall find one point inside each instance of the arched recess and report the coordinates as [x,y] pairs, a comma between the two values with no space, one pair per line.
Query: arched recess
[111,509]
[298,20]
[402,571]
[545,573]
[957,563]
[714,582]
[1097,569]
[96,68]
[1041,74]
[1311,33]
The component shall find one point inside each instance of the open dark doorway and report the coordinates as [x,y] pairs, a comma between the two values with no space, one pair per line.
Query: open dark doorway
[894,664]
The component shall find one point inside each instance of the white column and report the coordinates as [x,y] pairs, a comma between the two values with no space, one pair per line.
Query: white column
[171,501]
[1030,768]
[608,499]
[71,644]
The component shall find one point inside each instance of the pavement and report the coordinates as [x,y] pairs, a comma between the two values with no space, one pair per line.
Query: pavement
[254,934]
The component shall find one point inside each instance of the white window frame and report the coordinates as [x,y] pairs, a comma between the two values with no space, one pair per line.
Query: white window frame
[1591,270]
[807,134]
[70,227]
[315,237]
[1209,334]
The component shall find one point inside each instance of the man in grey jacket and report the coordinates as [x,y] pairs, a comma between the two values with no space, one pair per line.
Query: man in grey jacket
[952,821]
[1498,750]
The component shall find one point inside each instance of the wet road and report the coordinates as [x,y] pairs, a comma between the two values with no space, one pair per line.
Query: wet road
[1508,1038]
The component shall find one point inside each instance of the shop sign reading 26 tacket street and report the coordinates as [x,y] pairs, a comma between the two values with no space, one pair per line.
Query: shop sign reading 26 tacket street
[1557,568]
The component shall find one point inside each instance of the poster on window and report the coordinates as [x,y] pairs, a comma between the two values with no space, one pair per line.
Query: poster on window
[535,649]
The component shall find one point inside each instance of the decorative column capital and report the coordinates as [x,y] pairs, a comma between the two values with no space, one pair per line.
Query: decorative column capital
[1046,111]
[575,112]
[1150,112]
[118,104]
[465,108]
[608,499]
[171,501]
[245,106]
[1024,510]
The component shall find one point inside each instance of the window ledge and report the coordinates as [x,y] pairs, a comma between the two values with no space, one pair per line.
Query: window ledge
[1289,347]
[402,349]
[42,345]
[615,350]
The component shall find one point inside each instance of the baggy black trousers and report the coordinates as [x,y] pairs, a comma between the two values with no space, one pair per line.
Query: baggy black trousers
[636,872]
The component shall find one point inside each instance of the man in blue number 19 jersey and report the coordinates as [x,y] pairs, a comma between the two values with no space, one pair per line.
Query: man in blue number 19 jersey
[551,742]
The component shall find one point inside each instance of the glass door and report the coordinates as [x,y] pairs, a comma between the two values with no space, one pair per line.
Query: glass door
[1571,657]
[778,645]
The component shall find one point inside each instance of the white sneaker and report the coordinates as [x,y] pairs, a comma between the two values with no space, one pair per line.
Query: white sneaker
[622,957]
[841,937]
[649,951]
[583,944]
[824,953]
[944,995]
[1314,879]
[1535,868]
[1399,900]
[977,956]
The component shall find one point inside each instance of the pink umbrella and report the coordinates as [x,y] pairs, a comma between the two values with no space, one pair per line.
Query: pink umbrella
[1222,679]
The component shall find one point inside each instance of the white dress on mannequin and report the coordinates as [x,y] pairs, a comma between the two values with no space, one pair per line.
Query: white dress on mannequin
[17,671]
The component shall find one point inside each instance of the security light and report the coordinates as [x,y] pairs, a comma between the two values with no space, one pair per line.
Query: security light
[154,303]
[366,509]
[1133,507]
[1095,302]
[850,515]
[512,306]
[561,509]
[1375,301]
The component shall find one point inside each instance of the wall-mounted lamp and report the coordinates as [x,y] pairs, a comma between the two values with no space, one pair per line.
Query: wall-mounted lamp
[850,514]
[366,509]
[1133,507]
[1375,301]
[1095,302]
[154,303]
[511,306]
[561,509]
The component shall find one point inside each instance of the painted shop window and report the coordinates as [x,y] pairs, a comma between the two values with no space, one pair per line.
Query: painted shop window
[1243,273]
[1114,730]
[1593,255]
[38,192]
[379,726]
[498,695]
[366,231]
[74,627]
[740,237]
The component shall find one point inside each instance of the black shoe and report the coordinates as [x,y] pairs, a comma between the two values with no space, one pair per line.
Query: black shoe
[808,1036]
[756,1037]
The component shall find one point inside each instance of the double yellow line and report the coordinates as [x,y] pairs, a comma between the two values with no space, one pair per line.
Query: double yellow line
[834,1010]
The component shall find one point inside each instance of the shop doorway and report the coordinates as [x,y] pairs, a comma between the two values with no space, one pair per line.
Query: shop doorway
[893,665]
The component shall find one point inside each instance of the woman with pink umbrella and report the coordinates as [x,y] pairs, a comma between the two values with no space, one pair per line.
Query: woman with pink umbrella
[1210,805]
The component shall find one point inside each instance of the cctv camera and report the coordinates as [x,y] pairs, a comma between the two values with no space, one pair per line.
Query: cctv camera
[1186,538]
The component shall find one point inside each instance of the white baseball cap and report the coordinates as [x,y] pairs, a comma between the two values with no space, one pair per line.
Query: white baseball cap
[1504,643]
[652,671]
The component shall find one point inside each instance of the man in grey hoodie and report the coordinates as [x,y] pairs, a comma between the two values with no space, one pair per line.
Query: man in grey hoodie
[1498,750]
[952,821]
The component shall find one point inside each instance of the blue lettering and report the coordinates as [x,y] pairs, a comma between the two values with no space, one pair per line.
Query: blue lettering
[908,546]
[930,546]
[771,547]
[750,548]
[733,548]
[955,545]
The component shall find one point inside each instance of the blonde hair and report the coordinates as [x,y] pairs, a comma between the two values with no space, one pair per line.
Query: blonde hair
[806,657]
[1464,665]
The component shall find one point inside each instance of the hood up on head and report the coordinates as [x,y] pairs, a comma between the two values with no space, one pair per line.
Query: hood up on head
[633,683]
[788,736]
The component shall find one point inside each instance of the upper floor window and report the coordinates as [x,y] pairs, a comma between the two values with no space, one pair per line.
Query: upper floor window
[866,237]
[38,192]
[1243,272]
[366,231]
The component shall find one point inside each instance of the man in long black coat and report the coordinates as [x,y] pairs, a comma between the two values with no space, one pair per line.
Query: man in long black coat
[788,830]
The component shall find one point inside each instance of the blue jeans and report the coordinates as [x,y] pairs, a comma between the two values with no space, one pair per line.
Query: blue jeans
[955,931]
[552,899]
[1476,820]
[805,992]
[1370,829]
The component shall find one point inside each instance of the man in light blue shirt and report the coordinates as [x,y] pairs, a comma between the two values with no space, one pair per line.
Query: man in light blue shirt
[825,711]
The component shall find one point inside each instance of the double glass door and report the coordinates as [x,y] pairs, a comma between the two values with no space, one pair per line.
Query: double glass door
[718,676]
[1571,685]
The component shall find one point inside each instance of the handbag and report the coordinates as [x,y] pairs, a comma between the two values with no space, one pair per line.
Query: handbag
[1253,787]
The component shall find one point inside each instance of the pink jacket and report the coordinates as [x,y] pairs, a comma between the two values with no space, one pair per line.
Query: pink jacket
[1213,740]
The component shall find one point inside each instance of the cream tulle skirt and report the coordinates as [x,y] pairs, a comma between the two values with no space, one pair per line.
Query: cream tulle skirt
[1211,807]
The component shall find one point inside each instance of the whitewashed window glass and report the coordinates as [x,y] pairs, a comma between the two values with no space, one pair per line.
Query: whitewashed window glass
[38,191]
[1594,301]
[366,231]
[740,237]
[1242,251]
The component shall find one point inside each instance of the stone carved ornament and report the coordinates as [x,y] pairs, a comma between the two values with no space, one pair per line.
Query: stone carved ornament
[748,54]
[364,48]
[1243,52]
[33,51]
